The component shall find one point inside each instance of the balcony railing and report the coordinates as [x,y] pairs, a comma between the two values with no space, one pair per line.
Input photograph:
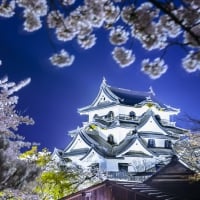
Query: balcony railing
[128,176]
[119,117]
[127,118]
[167,123]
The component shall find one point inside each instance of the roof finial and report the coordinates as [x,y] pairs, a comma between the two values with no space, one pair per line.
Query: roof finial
[104,80]
[151,91]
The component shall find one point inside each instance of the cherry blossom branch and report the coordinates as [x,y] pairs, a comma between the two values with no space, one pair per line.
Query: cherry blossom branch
[175,19]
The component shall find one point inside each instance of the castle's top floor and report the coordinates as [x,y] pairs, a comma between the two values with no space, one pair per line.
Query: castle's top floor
[122,102]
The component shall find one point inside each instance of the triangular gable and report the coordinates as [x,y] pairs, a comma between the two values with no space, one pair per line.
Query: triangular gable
[138,146]
[105,96]
[91,157]
[76,143]
[57,155]
[151,125]
[102,98]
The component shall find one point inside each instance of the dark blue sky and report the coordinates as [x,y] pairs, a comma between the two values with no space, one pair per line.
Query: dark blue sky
[54,95]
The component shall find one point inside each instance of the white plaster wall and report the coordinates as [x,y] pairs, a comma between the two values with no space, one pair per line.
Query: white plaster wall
[125,110]
[140,164]
[104,111]
[112,165]
[158,142]
[76,158]
[119,133]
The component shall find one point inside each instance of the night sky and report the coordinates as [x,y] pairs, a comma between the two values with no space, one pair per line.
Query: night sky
[54,94]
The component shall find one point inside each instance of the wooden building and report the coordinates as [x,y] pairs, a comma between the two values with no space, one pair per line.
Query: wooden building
[119,190]
[176,178]
[171,182]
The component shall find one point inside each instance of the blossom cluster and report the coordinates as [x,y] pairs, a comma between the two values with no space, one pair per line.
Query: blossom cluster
[188,150]
[154,25]
[9,118]
[191,62]
[154,69]
[123,56]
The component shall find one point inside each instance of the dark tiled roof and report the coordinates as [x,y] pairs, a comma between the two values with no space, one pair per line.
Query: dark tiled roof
[161,151]
[155,135]
[136,154]
[105,149]
[128,96]
[123,96]
[76,152]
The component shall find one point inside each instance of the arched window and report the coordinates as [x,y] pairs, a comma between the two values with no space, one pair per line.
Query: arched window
[151,143]
[95,116]
[158,118]
[132,114]
[110,139]
[110,115]
[168,144]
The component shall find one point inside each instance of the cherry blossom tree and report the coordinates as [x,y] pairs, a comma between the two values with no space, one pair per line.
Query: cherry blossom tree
[188,150]
[15,174]
[156,24]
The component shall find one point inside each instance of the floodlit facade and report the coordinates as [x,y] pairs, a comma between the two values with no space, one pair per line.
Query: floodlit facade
[126,131]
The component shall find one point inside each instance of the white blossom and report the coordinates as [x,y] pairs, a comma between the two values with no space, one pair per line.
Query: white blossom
[169,26]
[39,7]
[150,37]
[55,19]
[191,62]
[118,36]
[7,9]
[9,119]
[84,29]
[112,13]
[67,2]
[87,42]
[128,14]
[154,69]
[62,59]
[188,38]
[32,22]
[123,56]
[188,16]
[19,86]
[95,14]
[65,33]
[154,27]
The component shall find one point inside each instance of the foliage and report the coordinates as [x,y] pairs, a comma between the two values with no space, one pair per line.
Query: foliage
[41,158]
[156,24]
[61,178]
[188,150]
[54,184]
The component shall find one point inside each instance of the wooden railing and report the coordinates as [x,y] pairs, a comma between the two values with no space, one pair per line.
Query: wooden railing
[123,175]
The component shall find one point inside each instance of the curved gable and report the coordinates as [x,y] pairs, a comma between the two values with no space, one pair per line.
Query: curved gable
[91,157]
[139,147]
[104,97]
[150,124]
[76,143]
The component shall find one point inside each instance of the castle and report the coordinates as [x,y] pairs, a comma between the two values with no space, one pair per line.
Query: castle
[127,131]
